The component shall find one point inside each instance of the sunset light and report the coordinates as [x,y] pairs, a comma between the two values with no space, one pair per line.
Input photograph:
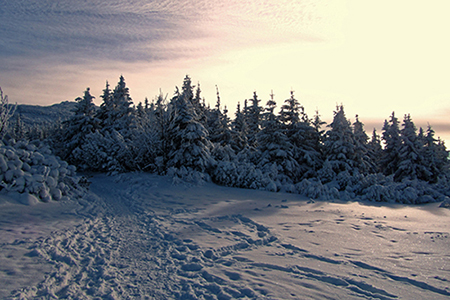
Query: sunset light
[373,57]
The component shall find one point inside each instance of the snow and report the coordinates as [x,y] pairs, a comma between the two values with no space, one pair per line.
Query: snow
[139,236]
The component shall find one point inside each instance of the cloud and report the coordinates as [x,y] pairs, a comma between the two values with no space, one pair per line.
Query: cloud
[143,30]
[52,50]
[85,30]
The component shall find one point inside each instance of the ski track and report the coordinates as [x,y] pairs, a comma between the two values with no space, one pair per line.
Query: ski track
[132,245]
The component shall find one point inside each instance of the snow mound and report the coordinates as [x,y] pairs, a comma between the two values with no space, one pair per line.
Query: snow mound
[445,203]
[32,171]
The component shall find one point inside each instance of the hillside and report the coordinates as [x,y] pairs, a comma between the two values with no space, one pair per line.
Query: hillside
[38,115]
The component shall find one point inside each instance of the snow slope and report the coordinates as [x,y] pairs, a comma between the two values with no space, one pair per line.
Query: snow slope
[39,115]
[137,236]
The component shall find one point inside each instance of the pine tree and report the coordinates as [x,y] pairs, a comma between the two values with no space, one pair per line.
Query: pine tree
[274,146]
[199,106]
[190,147]
[116,111]
[118,118]
[362,157]
[393,142]
[411,161]
[78,127]
[105,107]
[339,145]
[121,116]
[317,123]
[253,119]
[375,151]
[290,112]
[303,136]
[147,105]
[6,112]
[239,131]
[162,114]
[226,134]
[141,112]
[19,130]
[144,140]
[218,125]
[435,155]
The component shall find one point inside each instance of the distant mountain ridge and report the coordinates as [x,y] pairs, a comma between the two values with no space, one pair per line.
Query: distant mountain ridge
[38,115]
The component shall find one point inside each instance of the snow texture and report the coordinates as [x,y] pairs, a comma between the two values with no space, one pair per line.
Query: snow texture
[31,170]
[138,236]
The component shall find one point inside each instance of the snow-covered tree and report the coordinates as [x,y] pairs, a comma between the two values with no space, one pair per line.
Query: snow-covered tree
[339,146]
[76,129]
[317,124]
[219,124]
[199,106]
[239,130]
[6,111]
[121,117]
[253,118]
[190,147]
[375,150]
[303,136]
[275,149]
[116,112]
[144,142]
[162,115]
[291,112]
[411,164]
[103,151]
[141,112]
[435,155]
[391,137]
[19,131]
[362,157]
[105,107]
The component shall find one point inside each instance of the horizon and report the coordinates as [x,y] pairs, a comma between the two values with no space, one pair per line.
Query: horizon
[374,58]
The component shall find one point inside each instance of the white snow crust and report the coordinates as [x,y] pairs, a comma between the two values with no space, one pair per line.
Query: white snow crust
[138,236]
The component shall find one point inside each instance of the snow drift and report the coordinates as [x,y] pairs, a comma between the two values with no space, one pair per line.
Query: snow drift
[138,236]
[32,170]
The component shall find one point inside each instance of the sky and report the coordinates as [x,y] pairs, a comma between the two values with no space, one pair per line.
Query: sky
[374,57]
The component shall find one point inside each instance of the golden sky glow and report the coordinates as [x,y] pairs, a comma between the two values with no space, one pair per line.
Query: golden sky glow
[375,57]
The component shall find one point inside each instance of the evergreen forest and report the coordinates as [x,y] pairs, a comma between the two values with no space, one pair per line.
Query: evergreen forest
[263,145]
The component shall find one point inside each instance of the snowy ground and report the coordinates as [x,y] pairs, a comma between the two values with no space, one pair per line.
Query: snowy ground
[137,236]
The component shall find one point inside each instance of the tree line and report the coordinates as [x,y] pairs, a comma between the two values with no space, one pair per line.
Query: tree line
[261,147]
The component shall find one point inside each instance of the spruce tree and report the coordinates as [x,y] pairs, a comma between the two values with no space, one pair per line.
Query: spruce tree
[239,131]
[304,138]
[6,112]
[253,119]
[375,151]
[78,127]
[117,118]
[189,144]
[143,140]
[105,107]
[219,124]
[19,130]
[362,157]
[274,146]
[411,160]
[162,115]
[290,112]
[122,114]
[393,142]
[435,155]
[340,146]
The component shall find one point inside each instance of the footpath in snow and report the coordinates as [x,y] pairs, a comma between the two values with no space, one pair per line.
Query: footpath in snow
[137,236]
